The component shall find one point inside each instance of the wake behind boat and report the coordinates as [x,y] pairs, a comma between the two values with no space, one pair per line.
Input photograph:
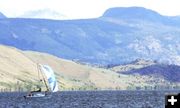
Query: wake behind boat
[48,76]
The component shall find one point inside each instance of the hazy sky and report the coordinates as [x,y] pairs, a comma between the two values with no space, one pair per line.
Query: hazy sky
[85,8]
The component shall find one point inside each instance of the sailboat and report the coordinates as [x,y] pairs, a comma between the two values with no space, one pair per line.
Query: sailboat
[48,76]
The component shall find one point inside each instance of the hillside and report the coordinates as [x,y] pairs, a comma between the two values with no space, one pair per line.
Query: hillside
[137,64]
[18,69]
[168,72]
[119,36]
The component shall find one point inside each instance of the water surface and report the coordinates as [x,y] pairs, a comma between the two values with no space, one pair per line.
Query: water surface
[88,99]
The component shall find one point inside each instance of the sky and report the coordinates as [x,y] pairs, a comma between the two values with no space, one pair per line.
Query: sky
[79,9]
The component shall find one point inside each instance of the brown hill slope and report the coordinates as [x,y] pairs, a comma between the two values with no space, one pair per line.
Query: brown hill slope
[18,66]
[18,69]
[14,65]
[73,75]
[137,64]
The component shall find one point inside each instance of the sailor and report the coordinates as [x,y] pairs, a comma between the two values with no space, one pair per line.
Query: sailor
[39,89]
[31,93]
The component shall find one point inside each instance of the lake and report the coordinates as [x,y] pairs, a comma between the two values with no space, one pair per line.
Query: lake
[88,99]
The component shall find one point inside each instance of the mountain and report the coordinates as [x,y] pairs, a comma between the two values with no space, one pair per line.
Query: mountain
[43,14]
[128,13]
[120,35]
[141,14]
[2,16]
[18,69]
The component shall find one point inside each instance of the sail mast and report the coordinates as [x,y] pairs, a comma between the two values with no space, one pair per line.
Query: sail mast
[40,71]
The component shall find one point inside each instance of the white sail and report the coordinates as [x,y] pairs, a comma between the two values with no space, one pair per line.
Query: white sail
[47,70]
